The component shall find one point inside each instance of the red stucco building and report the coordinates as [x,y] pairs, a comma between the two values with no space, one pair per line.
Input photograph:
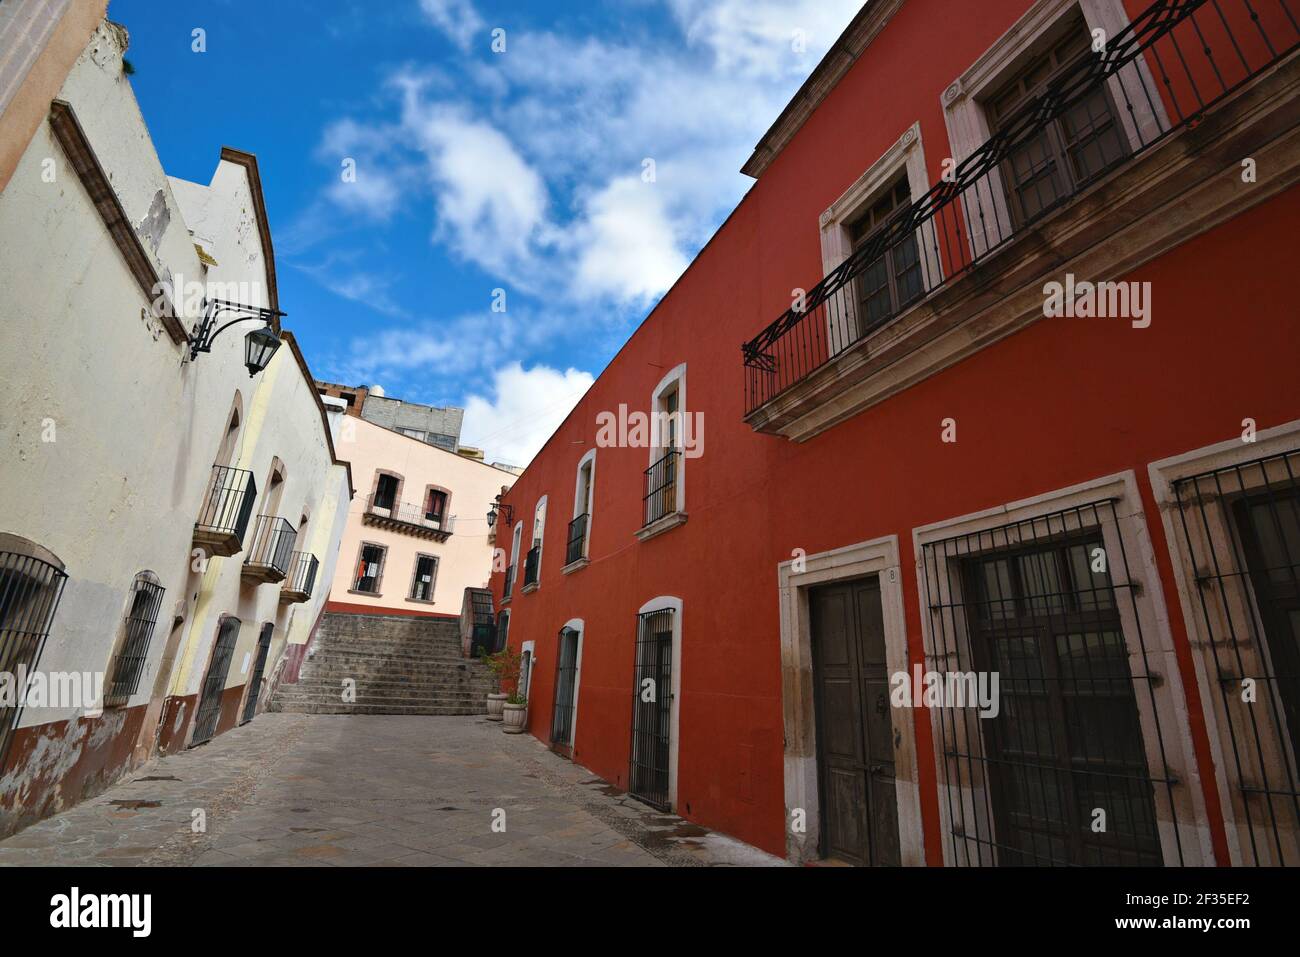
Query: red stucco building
[878,448]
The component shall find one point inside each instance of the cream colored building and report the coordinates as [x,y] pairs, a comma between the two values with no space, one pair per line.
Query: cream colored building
[169,524]
[417,533]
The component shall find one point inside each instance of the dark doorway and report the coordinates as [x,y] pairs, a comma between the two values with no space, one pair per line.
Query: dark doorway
[255,685]
[652,700]
[214,682]
[566,687]
[855,736]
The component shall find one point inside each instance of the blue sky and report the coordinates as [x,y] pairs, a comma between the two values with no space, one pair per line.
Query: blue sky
[476,170]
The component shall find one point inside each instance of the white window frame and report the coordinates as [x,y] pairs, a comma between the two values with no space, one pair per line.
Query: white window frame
[578,625]
[674,379]
[666,603]
[1164,473]
[795,579]
[1127,535]
[906,155]
[589,459]
[516,538]
[538,536]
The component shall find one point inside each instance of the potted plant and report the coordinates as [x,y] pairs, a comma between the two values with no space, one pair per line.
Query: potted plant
[515,713]
[505,666]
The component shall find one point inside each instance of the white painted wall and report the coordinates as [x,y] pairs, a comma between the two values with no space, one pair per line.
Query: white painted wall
[135,425]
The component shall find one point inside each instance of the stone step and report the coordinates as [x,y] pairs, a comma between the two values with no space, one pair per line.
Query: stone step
[330,687]
[316,707]
[401,665]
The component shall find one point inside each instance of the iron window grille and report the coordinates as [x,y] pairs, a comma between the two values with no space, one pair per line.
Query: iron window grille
[577,547]
[302,577]
[30,591]
[1197,51]
[273,541]
[532,564]
[229,503]
[661,487]
[370,569]
[422,581]
[510,581]
[214,682]
[1240,527]
[652,699]
[1048,604]
[566,678]
[483,623]
[503,631]
[259,669]
[141,619]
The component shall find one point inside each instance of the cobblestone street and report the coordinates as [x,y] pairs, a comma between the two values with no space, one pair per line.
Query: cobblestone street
[408,791]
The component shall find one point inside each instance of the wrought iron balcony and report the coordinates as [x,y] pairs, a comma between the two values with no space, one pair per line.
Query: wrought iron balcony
[1166,71]
[577,549]
[302,578]
[661,488]
[532,565]
[227,507]
[407,518]
[271,552]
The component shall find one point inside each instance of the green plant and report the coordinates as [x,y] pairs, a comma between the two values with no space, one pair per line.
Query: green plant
[505,666]
[517,699]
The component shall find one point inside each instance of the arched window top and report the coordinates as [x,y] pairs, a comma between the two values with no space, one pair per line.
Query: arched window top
[19,546]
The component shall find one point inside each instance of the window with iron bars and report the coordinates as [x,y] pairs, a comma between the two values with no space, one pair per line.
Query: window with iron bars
[1239,528]
[1061,774]
[30,590]
[138,628]
[652,697]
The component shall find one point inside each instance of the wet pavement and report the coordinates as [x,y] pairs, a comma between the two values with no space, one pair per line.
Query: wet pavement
[360,790]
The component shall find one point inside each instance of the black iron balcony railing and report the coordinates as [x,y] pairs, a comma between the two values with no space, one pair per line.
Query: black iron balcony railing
[510,582]
[227,507]
[406,517]
[1164,71]
[531,563]
[302,578]
[661,487]
[577,540]
[271,553]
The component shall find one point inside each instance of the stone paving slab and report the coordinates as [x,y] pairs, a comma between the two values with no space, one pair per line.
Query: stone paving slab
[297,790]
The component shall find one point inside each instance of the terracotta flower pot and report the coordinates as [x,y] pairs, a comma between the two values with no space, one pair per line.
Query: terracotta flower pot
[495,703]
[516,716]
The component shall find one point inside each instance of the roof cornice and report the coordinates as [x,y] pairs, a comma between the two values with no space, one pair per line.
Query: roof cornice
[857,36]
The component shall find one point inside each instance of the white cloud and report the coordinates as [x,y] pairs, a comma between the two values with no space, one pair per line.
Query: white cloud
[627,247]
[458,19]
[764,38]
[490,201]
[526,406]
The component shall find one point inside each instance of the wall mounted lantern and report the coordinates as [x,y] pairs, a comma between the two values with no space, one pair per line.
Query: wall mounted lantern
[507,511]
[259,345]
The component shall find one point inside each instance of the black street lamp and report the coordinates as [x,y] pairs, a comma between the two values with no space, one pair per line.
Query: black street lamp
[508,511]
[259,345]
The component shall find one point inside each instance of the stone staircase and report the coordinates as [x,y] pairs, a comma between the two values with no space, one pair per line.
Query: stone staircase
[401,665]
